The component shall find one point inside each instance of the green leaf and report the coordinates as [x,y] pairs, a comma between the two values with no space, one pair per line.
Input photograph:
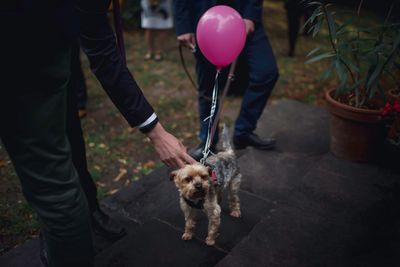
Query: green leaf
[351,65]
[320,57]
[331,24]
[313,51]
[317,27]
[341,29]
[327,73]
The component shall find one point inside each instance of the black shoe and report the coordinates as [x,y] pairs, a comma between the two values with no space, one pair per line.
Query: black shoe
[254,141]
[197,153]
[106,227]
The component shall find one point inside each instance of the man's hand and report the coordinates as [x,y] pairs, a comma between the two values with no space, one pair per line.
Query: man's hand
[249,26]
[170,150]
[188,40]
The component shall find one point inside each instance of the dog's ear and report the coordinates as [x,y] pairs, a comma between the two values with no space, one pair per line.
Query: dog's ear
[172,175]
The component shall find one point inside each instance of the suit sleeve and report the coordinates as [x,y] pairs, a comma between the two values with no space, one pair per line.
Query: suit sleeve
[253,10]
[183,16]
[98,41]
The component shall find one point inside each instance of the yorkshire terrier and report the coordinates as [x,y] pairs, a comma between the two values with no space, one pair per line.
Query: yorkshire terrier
[201,186]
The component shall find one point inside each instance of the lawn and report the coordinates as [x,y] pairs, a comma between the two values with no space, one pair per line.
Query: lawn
[118,155]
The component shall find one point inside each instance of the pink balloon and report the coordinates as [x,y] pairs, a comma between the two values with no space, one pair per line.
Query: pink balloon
[221,35]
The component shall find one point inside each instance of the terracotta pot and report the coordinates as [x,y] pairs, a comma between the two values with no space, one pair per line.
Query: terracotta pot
[356,134]
[392,96]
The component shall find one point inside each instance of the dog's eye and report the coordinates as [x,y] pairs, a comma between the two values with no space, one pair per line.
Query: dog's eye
[204,177]
[188,179]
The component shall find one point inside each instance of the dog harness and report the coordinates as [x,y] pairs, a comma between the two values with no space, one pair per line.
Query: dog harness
[199,205]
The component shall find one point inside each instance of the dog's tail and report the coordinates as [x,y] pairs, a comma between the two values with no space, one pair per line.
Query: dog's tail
[226,139]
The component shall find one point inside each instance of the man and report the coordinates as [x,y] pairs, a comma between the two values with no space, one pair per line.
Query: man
[295,10]
[36,68]
[263,72]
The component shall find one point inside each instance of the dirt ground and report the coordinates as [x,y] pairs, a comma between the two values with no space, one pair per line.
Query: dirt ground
[118,155]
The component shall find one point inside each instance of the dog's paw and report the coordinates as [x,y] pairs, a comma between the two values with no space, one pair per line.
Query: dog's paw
[235,213]
[210,241]
[187,236]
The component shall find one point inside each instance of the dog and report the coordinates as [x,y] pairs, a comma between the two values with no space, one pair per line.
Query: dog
[201,186]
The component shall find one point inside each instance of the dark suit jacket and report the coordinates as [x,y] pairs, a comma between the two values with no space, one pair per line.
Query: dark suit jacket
[58,22]
[99,44]
[188,12]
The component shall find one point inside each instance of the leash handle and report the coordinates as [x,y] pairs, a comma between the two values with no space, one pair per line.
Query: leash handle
[118,28]
[185,67]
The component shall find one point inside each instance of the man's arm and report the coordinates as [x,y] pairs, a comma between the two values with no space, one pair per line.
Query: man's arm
[253,10]
[183,16]
[99,43]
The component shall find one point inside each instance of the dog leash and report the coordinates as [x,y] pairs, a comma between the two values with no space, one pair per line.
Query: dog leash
[185,67]
[213,124]
[118,29]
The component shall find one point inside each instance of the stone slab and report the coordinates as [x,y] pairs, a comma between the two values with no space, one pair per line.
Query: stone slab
[273,174]
[340,214]
[158,244]
[297,127]
[232,230]
[26,254]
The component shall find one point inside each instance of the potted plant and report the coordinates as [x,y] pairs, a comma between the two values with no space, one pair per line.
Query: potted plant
[361,57]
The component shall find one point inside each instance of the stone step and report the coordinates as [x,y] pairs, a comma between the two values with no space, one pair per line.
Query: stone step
[337,214]
[151,203]
[26,254]
[156,243]
[169,218]
[297,127]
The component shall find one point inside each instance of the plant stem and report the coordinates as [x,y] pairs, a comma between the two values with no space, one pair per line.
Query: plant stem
[358,51]
[334,46]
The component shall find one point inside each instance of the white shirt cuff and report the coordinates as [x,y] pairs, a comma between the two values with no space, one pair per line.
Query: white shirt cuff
[148,121]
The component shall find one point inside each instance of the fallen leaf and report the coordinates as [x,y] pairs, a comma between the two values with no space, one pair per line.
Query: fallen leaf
[3,163]
[112,191]
[100,184]
[122,172]
[149,165]
[123,161]
[102,145]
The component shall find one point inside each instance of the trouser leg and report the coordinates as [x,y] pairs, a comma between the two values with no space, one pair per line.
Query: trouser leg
[77,142]
[206,76]
[34,135]
[78,83]
[263,74]
[293,18]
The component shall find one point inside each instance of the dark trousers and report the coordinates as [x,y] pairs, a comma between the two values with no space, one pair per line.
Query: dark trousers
[33,130]
[263,74]
[295,12]
[75,134]
[78,82]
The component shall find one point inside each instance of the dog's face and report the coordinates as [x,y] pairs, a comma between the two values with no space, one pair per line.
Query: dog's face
[192,180]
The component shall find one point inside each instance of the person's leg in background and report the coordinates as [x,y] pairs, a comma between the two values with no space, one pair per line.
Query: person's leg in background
[149,36]
[263,74]
[294,13]
[160,37]
[79,80]
[102,224]
[33,111]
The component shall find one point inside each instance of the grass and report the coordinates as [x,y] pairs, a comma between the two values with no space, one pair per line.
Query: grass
[118,155]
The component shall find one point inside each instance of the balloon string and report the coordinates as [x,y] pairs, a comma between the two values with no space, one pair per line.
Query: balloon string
[206,149]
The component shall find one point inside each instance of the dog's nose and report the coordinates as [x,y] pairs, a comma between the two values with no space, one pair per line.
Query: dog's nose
[198,186]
